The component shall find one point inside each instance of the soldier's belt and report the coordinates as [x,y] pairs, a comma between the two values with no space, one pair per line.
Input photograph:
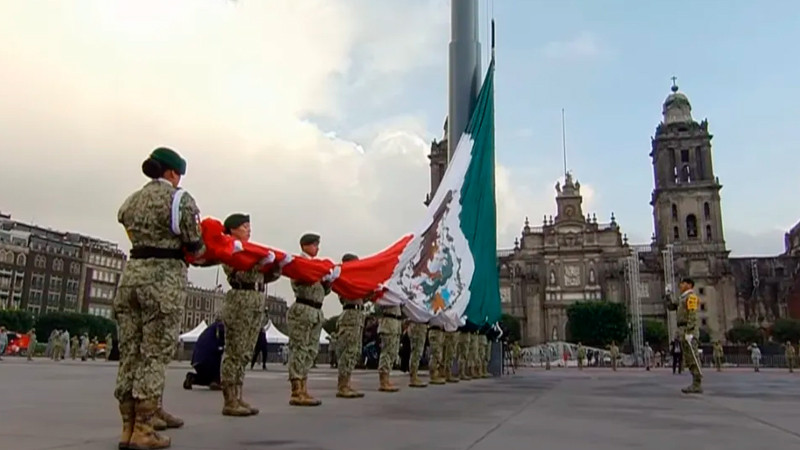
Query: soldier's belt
[353,306]
[393,316]
[156,253]
[240,286]
[307,302]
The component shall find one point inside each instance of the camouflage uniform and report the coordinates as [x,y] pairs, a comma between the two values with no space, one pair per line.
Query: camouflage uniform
[31,344]
[790,356]
[581,355]
[73,347]
[305,320]
[483,356]
[450,347]
[350,326]
[242,314]
[389,329]
[417,332]
[689,333]
[161,222]
[436,366]
[475,355]
[718,355]
[463,349]
[614,352]
[109,345]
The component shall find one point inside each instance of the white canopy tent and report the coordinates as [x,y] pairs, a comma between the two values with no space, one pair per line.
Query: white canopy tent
[274,335]
[191,336]
[324,337]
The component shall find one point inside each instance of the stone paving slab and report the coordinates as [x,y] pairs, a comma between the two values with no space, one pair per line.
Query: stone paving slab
[69,405]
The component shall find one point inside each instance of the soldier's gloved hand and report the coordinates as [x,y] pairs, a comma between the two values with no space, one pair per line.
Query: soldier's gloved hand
[237,246]
[332,275]
[689,338]
[267,259]
[286,260]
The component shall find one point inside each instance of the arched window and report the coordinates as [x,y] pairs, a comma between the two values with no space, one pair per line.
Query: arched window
[708,233]
[706,211]
[676,233]
[686,173]
[674,211]
[691,226]
[10,257]
[21,259]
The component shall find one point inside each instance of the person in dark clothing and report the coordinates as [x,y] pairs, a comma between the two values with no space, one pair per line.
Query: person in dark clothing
[405,351]
[207,358]
[261,349]
[677,356]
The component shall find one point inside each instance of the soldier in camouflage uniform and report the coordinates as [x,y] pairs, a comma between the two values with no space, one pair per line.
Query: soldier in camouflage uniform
[389,329]
[718,355]
[450,353]
[613,351]
[689,332]
[305,320]
[162,222]
[351,329]
[418,333]
[476,356]
[436,368]
[483,357]
[581,355]
[109,345]
[31,344]
[241,313]
[462,349]
[790,356]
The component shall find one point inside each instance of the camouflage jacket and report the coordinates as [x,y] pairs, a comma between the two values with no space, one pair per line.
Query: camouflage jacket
[315,292]
[687,313]
[717,350]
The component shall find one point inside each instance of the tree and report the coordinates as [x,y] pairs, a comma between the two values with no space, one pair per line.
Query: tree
[786,330]
[744,333]
[656,334]
[16,320]
[597,323]
[511,327]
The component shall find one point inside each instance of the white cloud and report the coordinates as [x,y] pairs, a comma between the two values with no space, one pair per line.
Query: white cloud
[583,46]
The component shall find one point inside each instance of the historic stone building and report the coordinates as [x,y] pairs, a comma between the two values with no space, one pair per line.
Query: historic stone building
[201,304]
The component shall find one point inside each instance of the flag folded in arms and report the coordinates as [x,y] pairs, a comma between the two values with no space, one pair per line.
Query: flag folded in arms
[445,273]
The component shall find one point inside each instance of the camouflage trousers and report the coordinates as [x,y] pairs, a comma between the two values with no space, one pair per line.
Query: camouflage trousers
[690,358]
[450,347]
[417,333]
[305,326]
[436,339]
[487,352]
[351,329]
[463,349]
[475,355]
[241,315]
[148,316]
[389,329]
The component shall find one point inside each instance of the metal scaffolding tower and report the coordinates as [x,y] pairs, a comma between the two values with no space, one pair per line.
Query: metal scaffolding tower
[756,284]
[669,284]
[632,272]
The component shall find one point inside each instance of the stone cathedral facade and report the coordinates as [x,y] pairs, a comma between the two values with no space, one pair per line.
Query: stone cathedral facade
[572,257]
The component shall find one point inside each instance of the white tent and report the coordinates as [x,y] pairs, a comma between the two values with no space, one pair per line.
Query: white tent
[324,337]
[191,336]
[274,335]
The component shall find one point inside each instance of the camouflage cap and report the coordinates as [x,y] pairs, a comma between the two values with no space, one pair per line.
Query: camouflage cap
[349,257]
[235,221]
[309,239]
[170,159]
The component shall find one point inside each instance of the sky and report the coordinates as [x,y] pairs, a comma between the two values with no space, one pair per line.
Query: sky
[318,115]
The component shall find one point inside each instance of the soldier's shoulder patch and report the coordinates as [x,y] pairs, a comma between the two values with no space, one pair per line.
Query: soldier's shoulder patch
[692,303]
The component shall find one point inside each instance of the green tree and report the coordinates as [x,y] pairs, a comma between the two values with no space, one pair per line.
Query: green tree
[786,330]
[511,327]
[744,333]
[597,323]
[16,320]
[656,334]
[330,324]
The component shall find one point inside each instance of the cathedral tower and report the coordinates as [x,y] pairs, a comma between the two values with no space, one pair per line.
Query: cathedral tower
[686,200]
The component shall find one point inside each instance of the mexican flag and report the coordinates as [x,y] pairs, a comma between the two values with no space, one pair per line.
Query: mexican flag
[444,273]
[447,273]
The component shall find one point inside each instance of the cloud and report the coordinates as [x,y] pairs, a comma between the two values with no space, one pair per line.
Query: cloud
[742,243]
[581,47]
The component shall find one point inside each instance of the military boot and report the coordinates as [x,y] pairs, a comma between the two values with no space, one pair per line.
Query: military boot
[295,399]
[169,420]
[343,388]
[244,404]
[305,398]
[128,412]
[386,383]
[415,381]
[462,373]
[188,381]
[450,376]
[695,387]
[144,437]
[350,388]
[436,376]
[231,406]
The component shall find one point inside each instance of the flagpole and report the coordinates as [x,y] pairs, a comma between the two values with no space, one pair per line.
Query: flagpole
[464,77]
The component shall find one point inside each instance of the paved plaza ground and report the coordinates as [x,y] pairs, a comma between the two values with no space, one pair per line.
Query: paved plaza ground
[69,405]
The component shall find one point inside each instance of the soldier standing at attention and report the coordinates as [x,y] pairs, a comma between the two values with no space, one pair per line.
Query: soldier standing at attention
[790,356]
[305,320]
[688,332]
[475,355]
[31,344]
[436,365]
[73,347]
[350,326]
[418,333]
[462,350]
[717,355]
[241,315]
[162,222]
[614,351]
[389,329]
[581,355]
[109,345]
[450,353]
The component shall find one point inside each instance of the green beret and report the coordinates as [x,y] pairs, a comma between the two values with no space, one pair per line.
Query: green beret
[309,239]
[235,221]
[349,257]
[170,159]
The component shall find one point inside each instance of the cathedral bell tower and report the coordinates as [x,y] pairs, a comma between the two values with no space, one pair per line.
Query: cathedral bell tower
[569,201]
[686,201]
